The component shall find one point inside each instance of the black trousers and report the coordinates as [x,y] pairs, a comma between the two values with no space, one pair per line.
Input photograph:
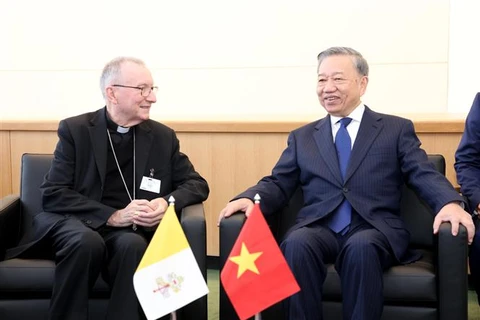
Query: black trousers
[81,256]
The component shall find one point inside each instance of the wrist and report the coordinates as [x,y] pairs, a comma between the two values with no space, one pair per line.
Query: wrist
[112,219]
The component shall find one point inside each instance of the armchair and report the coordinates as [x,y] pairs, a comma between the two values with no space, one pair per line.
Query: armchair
[26,284]
[435,287]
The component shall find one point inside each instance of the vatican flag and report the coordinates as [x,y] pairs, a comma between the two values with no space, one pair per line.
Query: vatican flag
[168,276]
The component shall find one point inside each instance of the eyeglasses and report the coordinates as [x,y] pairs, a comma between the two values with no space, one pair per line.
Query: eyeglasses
[144,91]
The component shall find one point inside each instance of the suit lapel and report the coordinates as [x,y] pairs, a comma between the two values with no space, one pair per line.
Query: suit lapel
[143,144]
[370,127]
[98,133]
[324,140]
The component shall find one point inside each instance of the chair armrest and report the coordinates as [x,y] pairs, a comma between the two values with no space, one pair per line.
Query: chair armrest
[192,219]
[229,230]
[9,223]
[452,273]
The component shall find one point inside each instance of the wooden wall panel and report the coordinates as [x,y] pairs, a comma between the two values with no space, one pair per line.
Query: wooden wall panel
[5,164]
[445,144]
[28,142]
[230,162]
[231,158]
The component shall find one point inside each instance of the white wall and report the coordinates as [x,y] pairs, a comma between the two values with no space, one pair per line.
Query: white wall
[249,59]
[464,54]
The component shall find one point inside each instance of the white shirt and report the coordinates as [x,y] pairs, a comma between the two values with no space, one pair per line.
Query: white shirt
[353,127]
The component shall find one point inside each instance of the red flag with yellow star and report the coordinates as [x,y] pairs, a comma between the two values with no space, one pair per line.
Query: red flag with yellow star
[256,275]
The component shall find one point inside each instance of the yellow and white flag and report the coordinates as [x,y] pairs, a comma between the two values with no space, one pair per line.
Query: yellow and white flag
[168,277]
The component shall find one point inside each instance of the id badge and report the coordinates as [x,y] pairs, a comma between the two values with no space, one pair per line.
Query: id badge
[150,184]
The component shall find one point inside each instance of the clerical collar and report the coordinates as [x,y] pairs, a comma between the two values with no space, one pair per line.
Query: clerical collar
[115,127]
[121,129]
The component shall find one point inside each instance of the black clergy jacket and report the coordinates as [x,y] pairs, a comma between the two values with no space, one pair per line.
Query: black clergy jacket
[73,187]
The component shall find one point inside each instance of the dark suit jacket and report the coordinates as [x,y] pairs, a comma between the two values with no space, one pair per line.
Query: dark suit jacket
[385,154]
[73,187]
[467,157]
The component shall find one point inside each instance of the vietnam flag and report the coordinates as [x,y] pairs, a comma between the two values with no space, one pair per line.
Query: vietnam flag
[168,276]
[256,275]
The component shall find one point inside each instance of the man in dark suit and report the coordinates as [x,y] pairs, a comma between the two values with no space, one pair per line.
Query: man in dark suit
[351,166]
[106,192]
[467,166]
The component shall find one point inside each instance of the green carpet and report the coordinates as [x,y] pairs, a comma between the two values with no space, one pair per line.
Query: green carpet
[213,299]
[473,307]
[213,295]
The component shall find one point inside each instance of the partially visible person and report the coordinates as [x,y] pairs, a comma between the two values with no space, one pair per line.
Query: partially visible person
[351,166]
[106,192]
[467,167]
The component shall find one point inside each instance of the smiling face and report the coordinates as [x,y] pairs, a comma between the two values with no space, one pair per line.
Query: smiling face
[126,106]
[340,86]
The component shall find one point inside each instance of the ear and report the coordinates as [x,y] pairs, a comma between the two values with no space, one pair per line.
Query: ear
[363,84]
[110,95]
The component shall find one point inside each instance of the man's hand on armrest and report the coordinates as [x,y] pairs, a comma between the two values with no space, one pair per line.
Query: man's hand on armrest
[243,204]
[454,213]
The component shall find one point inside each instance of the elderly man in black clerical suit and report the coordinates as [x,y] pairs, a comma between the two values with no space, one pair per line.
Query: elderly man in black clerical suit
[112,173]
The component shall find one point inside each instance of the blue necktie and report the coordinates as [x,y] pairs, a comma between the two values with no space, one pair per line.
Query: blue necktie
[341,217]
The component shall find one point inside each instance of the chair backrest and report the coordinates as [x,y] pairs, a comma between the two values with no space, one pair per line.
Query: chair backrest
[416,213]
[34,169]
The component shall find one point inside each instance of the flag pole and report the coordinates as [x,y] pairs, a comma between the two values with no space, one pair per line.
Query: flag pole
[171,201]
[257,198]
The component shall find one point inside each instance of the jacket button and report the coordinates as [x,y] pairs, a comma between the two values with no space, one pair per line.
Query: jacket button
[89,221]
[345,190]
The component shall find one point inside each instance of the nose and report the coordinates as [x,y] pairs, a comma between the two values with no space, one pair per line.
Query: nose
[152,97]
[329,86]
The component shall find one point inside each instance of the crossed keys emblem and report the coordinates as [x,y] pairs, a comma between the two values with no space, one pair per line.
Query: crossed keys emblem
[173,283]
